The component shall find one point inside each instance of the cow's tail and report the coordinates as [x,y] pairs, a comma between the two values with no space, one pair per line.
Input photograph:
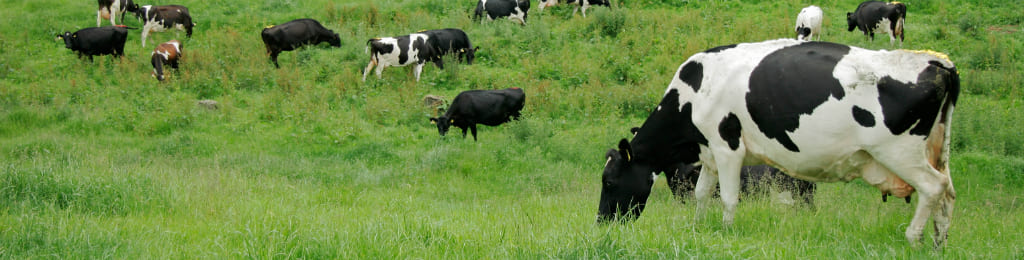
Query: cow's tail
[939,139]
[902,9]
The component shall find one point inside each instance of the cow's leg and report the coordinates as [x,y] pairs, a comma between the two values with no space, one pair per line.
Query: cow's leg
[145,32]
[99,14]
[380,69]
[935,191]
[729,183]
[472,127]
[706,183]
[418,69]
[464,129]
[273,57]
[367,69]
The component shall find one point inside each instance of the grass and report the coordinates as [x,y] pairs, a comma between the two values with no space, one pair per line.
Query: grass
[99,160]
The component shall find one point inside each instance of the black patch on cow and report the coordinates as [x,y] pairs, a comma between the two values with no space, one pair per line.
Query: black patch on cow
[863,117]
[791,82]
[729,129]
[914,107]
[403,48]
[669,137]
[692,73]
[720,48]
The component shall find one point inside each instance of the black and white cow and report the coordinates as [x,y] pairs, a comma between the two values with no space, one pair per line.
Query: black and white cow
[109,9]
[488,107]
[578,3]
[96,41]
[808,23]
[818,111]
[494,9]
[162,17]
[879,17]
[452,41]
[294,34]
[167,53]
[417,48]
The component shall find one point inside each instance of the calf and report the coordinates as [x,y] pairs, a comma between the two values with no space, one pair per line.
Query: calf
[452,41]
[400,51]
[879,17]
[808,23]
[162,17]
[166,53]
[109,9]
[493,9]
[818,111]
[488,107]
[96,41]
[294,34]
[579,3]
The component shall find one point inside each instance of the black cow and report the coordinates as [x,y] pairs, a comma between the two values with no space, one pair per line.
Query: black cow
[96,41]
[163,17]
[879,17]
[493,9]
[452,40]
[109,9]
[400,51]
[818,111]
[166,53]
[294,34]
[488,107]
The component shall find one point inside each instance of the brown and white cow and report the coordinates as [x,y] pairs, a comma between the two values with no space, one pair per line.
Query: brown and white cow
[109,9]
[162,17]
[167,53]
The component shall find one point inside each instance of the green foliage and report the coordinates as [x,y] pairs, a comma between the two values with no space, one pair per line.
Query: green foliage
[99,160]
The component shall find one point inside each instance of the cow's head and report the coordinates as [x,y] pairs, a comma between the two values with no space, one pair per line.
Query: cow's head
[470,55]
[334,39]
[802,33]
[851,21]
[443,123]
[625,185]
[68,38]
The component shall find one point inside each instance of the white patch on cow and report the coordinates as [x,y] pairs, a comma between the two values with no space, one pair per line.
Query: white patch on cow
[882,27]
[608,161]
[518,14]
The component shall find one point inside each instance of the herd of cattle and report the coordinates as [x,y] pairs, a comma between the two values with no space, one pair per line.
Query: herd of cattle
[812,111]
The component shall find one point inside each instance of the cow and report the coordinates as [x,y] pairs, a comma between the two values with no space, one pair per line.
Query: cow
[818,111]
[452,41]
[294,34]
[756,179]
[167,53]
[109,9]
[513,9]
[879,17]
[488,107]
[96,41]
[162,17]
[400,51]
[579,3]
[808,23]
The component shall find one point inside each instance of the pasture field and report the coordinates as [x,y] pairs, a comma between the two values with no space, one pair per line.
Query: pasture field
[99,160]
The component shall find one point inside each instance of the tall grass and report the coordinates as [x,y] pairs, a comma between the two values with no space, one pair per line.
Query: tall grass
[99,160]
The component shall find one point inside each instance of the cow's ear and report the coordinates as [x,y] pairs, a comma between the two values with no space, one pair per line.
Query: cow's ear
[625,150]
[433,120]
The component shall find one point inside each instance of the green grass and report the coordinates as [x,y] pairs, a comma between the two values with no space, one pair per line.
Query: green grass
[99,160]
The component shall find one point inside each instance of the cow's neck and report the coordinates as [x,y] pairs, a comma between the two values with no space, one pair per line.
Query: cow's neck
[668,137]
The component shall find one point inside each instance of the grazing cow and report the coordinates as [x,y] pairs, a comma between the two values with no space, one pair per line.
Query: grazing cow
[452,40]
[166,53]
[818,111]
[757,179]
[493,9]
[97,41]
[879,17]
[579,3]
[400,51]
[109,9]
[162,17]
[488,107]
[808,23]
[294,34]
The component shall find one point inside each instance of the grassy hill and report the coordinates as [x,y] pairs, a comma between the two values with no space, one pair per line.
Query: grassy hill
[99,160]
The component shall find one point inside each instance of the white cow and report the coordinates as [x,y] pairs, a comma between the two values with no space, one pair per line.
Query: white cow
[400,51]
[808,23]
[818,111]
